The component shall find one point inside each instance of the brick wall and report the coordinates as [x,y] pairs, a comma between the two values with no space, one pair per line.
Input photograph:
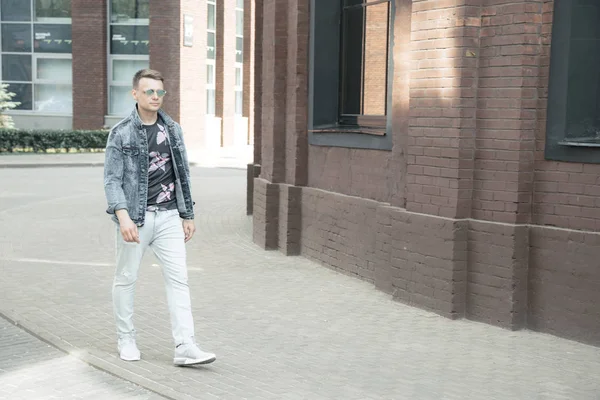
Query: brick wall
[442,116]
[353,172]
[375,60]
[422,260]
[339,231]
[475,238]
[89,64]
[192,76]
[563,283]
[506,111]
[165,41]
[225,69]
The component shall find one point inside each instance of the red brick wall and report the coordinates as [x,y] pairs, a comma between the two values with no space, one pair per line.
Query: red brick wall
[90,95]
[165,42]
[354,172]
[375,59]
[225,70]
[192,76]
[468,149]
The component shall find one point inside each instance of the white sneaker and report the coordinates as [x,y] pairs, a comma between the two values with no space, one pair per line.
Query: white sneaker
[190,354]
[128,350]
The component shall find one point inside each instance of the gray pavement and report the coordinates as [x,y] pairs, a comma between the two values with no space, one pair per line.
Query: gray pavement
[282,327]
[32,369]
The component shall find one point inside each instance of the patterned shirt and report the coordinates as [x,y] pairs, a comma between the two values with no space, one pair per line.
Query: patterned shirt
[161,176]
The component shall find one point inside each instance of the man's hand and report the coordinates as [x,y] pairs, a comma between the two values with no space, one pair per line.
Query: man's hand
[189,228]
[129,230]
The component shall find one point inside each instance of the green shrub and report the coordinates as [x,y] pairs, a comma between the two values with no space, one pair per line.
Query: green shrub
[40,141]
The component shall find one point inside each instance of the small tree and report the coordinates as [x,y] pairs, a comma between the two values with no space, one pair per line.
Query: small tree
[6,103]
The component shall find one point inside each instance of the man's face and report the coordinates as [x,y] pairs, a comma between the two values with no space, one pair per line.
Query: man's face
[148,94]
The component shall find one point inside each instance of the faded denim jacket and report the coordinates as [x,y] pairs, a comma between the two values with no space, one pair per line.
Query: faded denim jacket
[126,168]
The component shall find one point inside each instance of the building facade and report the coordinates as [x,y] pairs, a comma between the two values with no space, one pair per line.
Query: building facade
[71,62]
[447,152]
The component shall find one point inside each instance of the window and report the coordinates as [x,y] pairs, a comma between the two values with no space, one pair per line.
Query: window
[36,54]
[573,127]
[129,50]
[239,57]
[211,53]
[349,76]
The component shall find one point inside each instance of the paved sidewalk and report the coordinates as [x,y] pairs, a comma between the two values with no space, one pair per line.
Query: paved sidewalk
[282,327]
[31,369]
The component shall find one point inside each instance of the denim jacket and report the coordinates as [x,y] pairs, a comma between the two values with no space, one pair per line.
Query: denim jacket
[126,168]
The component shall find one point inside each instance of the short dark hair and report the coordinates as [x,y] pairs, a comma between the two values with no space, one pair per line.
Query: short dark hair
[147,73]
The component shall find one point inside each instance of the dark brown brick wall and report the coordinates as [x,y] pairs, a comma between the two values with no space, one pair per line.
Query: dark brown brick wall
[258,72]
[354,172]
[266,214]
[442,116]
[563,283]
[90,95]
[509,57]
[426,258]
[296,146]
[274,90]
[290,223]
[165,34]
[497,274]
[339,231]
[456,218]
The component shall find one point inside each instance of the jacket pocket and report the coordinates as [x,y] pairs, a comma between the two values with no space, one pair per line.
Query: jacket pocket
[131,151]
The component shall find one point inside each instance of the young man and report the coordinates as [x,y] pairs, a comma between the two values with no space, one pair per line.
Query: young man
[147,187]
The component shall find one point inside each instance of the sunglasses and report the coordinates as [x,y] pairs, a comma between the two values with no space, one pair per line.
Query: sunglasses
[159,92]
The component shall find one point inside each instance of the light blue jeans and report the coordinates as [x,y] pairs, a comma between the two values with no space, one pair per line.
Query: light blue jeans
[163,233]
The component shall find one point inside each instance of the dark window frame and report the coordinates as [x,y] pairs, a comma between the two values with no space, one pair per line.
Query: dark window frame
[326,125]
[559,146]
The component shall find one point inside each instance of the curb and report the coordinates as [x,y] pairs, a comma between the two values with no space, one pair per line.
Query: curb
[95,361]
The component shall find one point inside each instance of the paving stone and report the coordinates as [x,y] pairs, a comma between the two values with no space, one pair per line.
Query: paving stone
[282,327]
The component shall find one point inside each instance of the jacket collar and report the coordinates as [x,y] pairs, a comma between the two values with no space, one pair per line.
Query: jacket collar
[135,116]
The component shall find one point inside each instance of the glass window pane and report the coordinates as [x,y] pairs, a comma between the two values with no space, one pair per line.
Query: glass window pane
[16,10]
[125,10]
[210,46]
[129,39]
[375,60]
[212,17]
[23,95]
[16,67]
[239,50]
[352,54]
[210,74]
[16,37]
[239,22]
[583,92]
[240,4]
[54,98]
[238,76]
[124,70]
[52,9]
[56,69]
[52,38]
[120,100]
[239,102]
[210,101]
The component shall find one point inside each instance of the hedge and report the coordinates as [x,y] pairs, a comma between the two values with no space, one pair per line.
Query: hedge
[40,141]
